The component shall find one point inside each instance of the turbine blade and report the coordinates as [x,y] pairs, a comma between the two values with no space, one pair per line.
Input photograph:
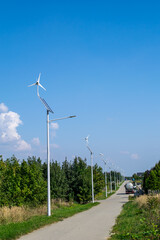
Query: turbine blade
[32,85]
[39,77]
[41,86]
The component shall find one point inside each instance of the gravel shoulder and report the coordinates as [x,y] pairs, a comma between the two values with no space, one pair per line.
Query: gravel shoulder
[93,224]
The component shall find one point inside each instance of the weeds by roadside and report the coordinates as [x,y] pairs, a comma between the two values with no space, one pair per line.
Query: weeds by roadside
[19,214]
[139,219]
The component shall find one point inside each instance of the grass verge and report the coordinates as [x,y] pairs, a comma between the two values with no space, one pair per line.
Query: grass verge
[15,230]
[138,221]
[102,195]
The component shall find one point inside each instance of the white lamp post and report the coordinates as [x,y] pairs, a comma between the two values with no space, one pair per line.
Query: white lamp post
[114,176]
[108,161]
[117,176]
[110,180]
[110,176]
[48,160]
[101,154]
[48,153]
[91,153]
[48,145]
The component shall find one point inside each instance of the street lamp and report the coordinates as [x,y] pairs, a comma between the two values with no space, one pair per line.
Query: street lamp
[49,110]
[101,154]
[48,122]
[118,176]
[114,176]
[91,153]
[57,119]
[109,162]
[110,180]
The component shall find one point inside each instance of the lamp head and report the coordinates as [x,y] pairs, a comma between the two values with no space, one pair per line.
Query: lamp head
[86,139]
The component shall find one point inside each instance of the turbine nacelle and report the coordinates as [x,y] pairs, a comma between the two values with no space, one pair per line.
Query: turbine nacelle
[86,139]
[37,84]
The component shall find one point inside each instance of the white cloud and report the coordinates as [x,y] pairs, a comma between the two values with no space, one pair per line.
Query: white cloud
[8,126]
[3,107]
[131,155]
[54,145]
[54,126]
[22,146]
[9,121]
[36,141]
[124,152]
[134,156]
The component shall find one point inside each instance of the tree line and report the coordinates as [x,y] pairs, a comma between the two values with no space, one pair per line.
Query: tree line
[151,179]
[25,182]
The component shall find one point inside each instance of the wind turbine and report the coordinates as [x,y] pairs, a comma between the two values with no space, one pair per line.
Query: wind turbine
[38,84]
[86,139]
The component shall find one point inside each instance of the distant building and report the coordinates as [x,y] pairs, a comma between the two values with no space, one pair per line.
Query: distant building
[140,174]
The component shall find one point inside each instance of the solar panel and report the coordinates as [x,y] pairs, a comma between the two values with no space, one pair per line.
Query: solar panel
[46,105]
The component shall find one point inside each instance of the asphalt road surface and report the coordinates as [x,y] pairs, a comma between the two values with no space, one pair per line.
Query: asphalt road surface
[93,224]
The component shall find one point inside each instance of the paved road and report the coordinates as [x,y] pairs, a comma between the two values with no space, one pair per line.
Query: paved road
[94,224]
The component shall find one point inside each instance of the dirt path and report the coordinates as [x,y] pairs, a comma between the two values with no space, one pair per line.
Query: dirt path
[94,224]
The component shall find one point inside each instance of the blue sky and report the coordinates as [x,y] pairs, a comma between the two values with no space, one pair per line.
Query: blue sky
[98,60]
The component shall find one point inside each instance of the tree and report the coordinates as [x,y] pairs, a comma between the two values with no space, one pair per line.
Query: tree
[80,183]
[10,182]
[37,184]
[151,179]
[67,171]
[59,184]
[98,179]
